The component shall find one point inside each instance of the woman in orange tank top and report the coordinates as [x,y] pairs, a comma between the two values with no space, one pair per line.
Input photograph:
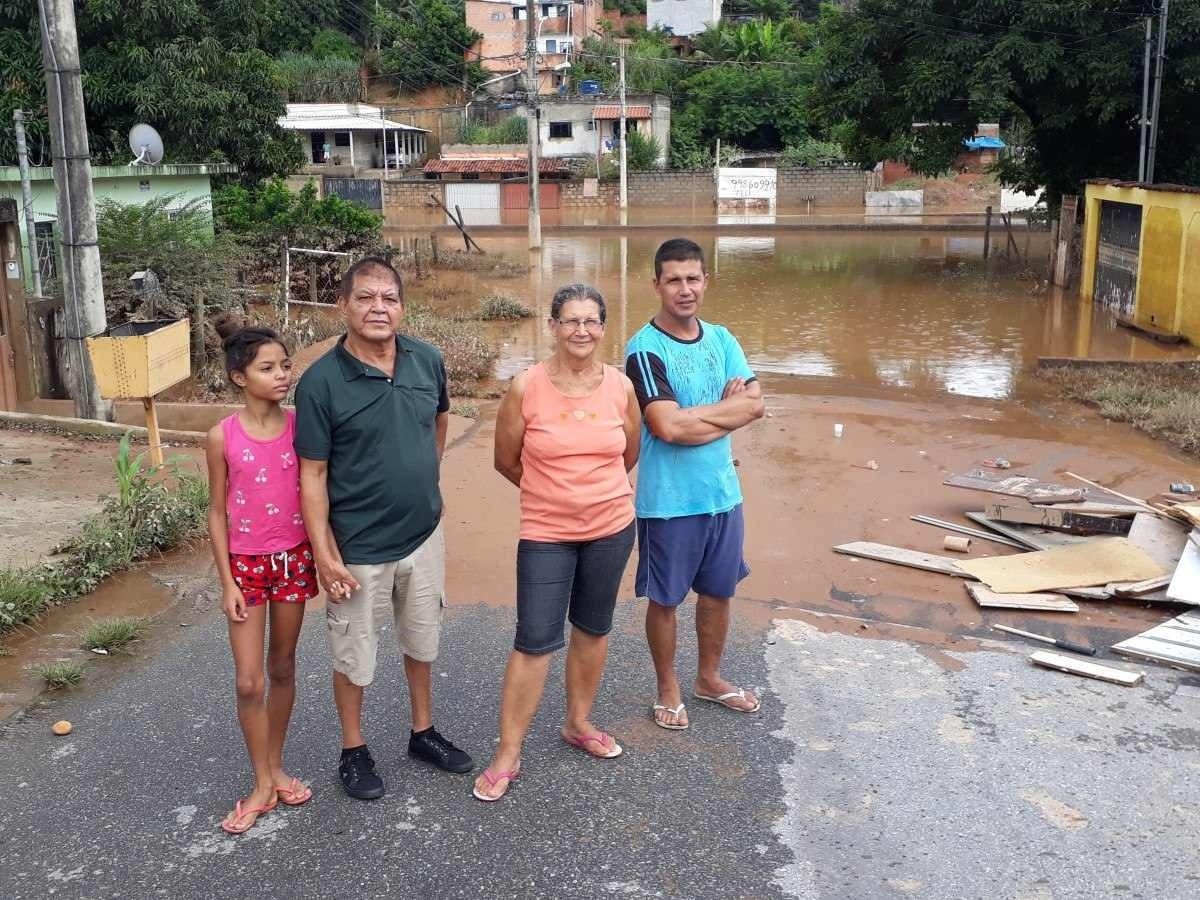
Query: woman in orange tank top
[567,434]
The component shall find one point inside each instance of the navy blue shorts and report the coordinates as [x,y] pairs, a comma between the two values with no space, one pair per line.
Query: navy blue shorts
[700,553]
[575,580]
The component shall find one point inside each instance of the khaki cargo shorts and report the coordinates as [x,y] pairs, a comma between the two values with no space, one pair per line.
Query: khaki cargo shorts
[412,590]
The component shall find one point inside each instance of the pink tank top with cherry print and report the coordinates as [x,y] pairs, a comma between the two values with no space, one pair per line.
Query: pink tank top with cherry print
[263,490]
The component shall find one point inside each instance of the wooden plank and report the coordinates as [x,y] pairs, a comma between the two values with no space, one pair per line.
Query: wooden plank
[900,556]
[1015,486]
[1087,669]
[1141,589]
[1157,651]
[1100,508]
[1057,519]
[1098,562]
[1029,535]
[1175,642]
[1088,593]
[1185,583]
[1186,512]
[1045,602]
[1140,504]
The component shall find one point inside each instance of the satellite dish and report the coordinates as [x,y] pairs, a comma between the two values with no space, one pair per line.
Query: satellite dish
[146,145]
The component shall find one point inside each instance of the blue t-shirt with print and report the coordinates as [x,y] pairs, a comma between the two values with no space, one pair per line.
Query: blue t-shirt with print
[676,480]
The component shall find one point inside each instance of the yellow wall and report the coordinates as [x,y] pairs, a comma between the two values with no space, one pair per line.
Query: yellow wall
[1168,284]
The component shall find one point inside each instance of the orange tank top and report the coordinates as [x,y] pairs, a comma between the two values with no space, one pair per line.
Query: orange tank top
[574,486]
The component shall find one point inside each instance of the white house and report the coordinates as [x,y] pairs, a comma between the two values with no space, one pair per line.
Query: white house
[682,18]
[590,126]
[354,134]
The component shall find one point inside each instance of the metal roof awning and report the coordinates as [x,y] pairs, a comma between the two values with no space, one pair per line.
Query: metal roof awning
[340,117]
[613,111]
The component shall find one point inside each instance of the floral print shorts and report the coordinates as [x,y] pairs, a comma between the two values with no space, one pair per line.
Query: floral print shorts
[285,577]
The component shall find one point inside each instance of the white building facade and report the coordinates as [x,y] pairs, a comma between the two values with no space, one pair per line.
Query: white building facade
[354,134]
[683,18]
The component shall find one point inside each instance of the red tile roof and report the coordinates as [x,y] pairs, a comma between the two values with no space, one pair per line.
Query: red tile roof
[493,166]
[614,112]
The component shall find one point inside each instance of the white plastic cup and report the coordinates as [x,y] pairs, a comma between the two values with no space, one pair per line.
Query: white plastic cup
[837,430]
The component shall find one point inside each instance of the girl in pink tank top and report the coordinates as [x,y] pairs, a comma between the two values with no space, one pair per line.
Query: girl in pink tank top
[263,557]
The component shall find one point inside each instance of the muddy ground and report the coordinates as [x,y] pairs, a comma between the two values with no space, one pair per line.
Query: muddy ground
[805,491]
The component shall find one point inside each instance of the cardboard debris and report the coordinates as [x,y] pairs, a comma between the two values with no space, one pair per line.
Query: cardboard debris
[1098,562]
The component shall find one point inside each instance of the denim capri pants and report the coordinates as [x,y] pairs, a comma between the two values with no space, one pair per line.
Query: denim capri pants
[568,580]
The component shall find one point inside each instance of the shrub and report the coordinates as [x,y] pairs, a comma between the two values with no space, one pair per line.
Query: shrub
[468,354]
[60,674]
[513,130]
[502,306]
[24,595]
[317,79]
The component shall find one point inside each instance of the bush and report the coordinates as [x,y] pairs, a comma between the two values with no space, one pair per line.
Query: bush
[468,354]
[24,596]
[811,153]
[318,79]
[513,130]
[60,674]
[502,306]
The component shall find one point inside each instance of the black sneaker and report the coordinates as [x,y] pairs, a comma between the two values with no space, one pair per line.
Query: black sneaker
[433,748]
[357,771]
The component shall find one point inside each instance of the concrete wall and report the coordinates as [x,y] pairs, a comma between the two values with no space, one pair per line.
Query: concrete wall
[829,187]
[590,141]
[1168,280]
[682,17]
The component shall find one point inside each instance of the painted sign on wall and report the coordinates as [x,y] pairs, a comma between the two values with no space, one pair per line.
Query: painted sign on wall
[746,184]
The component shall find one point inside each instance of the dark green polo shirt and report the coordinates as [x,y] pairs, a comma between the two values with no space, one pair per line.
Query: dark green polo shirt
[377,433]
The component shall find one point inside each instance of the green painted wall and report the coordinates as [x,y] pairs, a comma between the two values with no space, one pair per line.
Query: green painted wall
[117,183]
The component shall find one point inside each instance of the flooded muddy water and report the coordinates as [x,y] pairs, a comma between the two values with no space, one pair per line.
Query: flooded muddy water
[921,312]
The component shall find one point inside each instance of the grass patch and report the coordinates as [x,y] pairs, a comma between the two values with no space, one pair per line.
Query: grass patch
[464,409]
[154,509]
[1163,400]
[60,674]
[114,634]
[498,266]
[503,306]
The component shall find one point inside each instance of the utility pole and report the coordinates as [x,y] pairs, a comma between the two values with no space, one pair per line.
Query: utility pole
[624,149]
[83,289]
[535,208]
[1158,75]
[35,270]
[1144,121]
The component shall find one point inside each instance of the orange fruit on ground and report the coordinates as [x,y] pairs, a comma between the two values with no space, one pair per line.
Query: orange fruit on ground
[61,727]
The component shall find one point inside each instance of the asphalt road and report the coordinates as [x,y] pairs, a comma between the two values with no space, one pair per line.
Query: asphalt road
[873,770]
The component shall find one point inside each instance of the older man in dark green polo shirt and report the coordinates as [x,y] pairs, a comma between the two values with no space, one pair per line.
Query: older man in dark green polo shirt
[371,418]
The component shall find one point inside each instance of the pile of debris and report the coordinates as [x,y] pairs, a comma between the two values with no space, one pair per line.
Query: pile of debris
[1088,543]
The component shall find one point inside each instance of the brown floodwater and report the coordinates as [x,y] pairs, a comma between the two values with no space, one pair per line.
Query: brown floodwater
[920,312]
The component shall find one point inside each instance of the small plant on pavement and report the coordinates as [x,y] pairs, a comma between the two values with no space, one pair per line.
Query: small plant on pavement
[60,674]
[114,634]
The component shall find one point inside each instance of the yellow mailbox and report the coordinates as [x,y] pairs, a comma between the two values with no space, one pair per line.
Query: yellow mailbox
[138,360]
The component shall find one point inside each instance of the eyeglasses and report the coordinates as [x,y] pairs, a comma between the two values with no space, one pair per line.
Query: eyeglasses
[573,324]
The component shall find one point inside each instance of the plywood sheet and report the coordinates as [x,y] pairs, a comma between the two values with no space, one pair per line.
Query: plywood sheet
[988,598]
[1162,539]
[1175,643]
[1098,562]
[901,556]
[1016,486]
[1087,669]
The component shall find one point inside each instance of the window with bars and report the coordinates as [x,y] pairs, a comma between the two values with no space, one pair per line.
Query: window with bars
[560,130]
[47,255]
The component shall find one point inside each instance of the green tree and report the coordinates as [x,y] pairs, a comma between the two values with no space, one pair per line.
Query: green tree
[425,42]
[1071,71]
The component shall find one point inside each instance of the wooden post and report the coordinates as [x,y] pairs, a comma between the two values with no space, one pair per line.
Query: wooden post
[1028,232]
[987,233]
[466,240]
[433,248]
[156,454]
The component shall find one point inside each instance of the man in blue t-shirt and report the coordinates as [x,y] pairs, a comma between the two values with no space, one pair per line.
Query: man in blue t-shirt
[695,389]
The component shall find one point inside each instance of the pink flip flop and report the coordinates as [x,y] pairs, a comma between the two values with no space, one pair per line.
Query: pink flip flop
[239,811]
[611,749]
[494,780]
[295,794]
